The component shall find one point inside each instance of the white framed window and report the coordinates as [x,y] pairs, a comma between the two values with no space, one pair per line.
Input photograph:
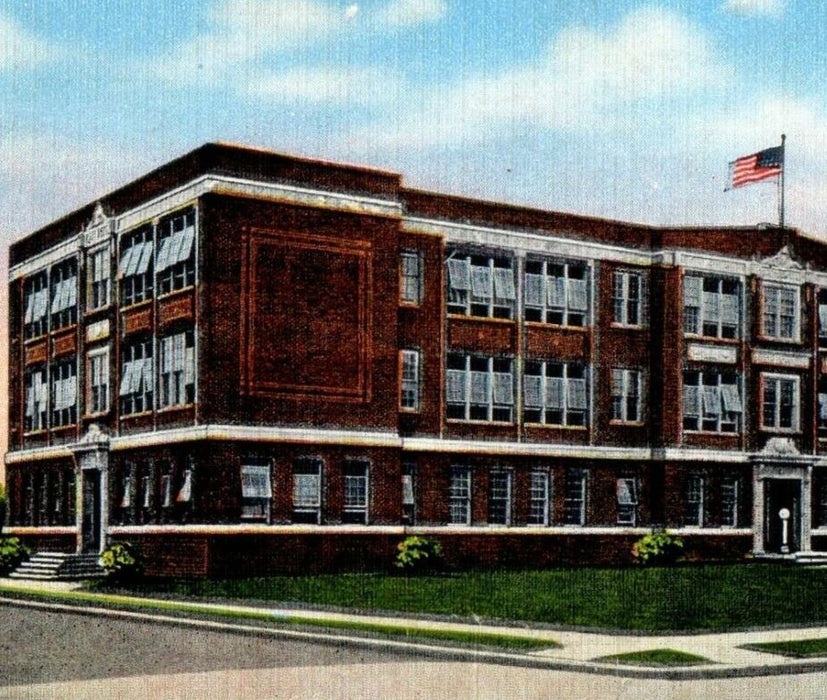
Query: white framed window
[694,501]
[135,266]
[629,298]
[356,497]
[136,389]
[711,402]
[148,487]
[36,303]
[499,497]
[99,278]
[177,369]
[556,393]
[256,491]
[185,492]
[730,502]
[166,488]
[460,496]
[480,285]
[480,388]
[175,264]
[97,379]
[822,318]
[64,293]
[627,393]
[780,398]
[409,371]
[128,486]
[780,312]
[627,501]
[410,278]
[409,492]
[307,490]
[574,497]
[711,306]
[557,292]
[539,497]
[822,405]
[64,392]
[37,399]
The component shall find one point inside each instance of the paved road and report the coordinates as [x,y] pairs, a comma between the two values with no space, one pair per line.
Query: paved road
[64,655]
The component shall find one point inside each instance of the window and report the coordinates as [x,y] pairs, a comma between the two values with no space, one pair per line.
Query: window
[128,486]
[822,405]
[626,395]
[64,393]
[819,498]
[137,381]
[538,498]
[64,288]
[98,381]
[780,312]
[99,278]
[37,399]
[460,496]
[307,490]
[626,489]
[256,491]
[356,492]
[175,264]
[779,400]
[135,267]
[711,402]
[166,487]
[574,497]
[177,375]
[480,388]
[409,380]
[730,489]
[711,306]
[557,292]
[499,497]
[822,318]
[695,501]
[410,278]
[479,285]
[629,298]
[185,492]
[555,393]
[36,301]
[148,488]
[408,493]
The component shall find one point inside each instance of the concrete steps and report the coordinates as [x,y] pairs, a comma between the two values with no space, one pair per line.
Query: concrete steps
[59,566]
[812,559]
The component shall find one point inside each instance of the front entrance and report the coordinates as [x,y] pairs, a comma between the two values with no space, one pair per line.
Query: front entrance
[782,515]
[91,518]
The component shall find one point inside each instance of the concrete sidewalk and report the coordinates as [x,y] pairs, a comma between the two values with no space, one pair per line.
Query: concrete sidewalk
[578,651]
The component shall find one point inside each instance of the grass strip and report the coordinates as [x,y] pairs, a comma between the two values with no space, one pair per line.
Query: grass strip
[799,648]
[656,657]
[472,637]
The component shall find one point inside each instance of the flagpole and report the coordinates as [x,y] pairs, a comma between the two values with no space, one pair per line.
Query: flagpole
[781,183]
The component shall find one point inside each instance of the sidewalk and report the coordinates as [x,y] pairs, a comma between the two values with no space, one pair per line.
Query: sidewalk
[578,651]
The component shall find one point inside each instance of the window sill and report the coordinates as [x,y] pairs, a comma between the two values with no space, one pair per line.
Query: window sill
[469,421]
[35,339]
[136,305]
[627,423]
[554,426]
[558,326]
[628,326]
[89,311]
[484,319]
[410,305]
[713,432]
[176,407]
[174,292]
[713,339]
[410,411]
[780,431]
[786,341]
[129,416]
[36,433]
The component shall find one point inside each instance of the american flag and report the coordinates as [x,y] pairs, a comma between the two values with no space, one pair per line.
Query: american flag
[756,167]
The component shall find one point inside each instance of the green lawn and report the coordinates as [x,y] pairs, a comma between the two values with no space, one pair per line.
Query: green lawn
[678,598]
[800,648]
[657,657]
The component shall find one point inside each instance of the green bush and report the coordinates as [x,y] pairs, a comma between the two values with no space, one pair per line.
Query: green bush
[123,562]
[418,555]
[658,548]
[12,554]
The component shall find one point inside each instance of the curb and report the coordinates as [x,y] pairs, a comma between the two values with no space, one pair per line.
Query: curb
[432,650]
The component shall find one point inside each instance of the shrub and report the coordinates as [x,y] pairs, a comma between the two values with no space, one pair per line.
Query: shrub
[3,503]
[12,554]
[657,548]
[419,555]
[123,562]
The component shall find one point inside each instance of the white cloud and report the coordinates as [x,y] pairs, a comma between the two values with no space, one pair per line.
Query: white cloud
[755,7]
[406,13]
[351,11]
[18,48]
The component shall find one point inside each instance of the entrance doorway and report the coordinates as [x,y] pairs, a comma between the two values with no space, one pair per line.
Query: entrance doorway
[782,515]
[91,529]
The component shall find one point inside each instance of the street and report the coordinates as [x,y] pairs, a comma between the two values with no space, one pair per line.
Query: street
[64,655]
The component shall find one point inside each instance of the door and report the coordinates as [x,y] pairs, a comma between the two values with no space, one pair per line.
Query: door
[782,515]
[91,535]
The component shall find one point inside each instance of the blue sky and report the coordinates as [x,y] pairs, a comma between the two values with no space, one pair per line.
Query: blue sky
[626,110]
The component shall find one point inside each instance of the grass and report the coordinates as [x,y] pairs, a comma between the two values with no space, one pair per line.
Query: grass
[657,657]
[679,598]
[466,637]
[800,648]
